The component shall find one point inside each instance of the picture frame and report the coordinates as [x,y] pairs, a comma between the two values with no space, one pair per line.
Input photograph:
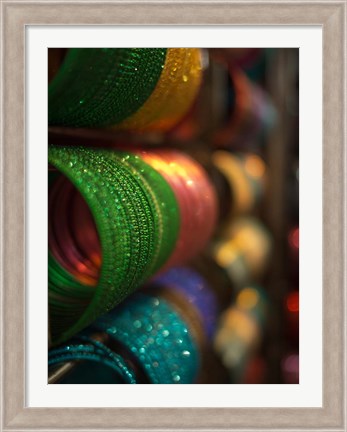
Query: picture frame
[16,15]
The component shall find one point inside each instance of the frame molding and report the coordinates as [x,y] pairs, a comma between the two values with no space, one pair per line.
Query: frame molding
[16,15]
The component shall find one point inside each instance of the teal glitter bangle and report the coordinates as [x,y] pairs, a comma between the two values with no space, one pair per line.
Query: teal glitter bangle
[157,336]
[137,219]
[87,349]
[103,86]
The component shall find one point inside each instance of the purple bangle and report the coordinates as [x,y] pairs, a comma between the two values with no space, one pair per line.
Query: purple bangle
[197,292]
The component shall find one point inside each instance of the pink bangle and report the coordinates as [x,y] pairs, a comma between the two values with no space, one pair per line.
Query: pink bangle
[196,198]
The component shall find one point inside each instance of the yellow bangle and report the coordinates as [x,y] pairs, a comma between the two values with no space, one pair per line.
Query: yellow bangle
[232,169]
[173,95]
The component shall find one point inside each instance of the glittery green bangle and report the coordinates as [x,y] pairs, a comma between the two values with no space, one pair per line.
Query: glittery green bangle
[137,219]
[151,329]
[103,86]
[165,204]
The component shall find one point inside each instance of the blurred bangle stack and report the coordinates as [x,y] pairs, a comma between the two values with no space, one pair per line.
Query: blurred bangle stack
[173,215]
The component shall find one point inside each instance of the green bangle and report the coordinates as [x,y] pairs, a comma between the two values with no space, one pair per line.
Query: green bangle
[165,203]
[103,86]
[137,219]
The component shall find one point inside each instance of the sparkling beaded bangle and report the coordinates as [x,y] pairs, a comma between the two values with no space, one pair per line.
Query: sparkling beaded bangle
[137,220]
[102,86]
[89,350]
[174,94]
[156,335]
[132,88]
[196,197]
[196,291]
[189,314]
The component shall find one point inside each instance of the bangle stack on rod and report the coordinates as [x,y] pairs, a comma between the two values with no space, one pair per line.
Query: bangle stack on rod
[133,223]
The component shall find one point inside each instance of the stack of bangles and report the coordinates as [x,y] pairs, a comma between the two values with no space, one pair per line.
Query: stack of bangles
[116,220]
[253,113]
[144,340]
[244,251]
[240,329]
[83,351]
[245,175]
[185,286]
[140,89]
[196,197]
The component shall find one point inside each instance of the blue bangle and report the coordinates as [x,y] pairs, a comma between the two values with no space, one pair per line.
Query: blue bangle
[157,337]
[85,348]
